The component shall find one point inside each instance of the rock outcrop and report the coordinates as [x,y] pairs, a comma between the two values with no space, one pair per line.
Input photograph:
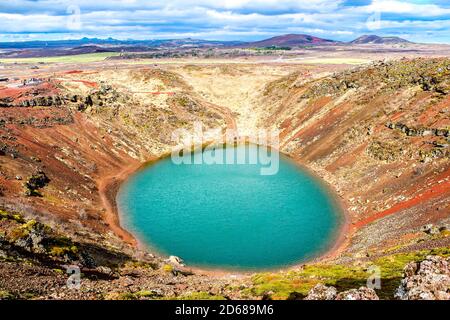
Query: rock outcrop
[426,280]
[322,292]
[35,182]
[418,132]
[362,293]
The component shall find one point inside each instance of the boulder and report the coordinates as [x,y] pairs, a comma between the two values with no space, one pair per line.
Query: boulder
[35,182]
[430,229]
[362,293]
[175,261]
[31,235]
[426,280]
[322,292]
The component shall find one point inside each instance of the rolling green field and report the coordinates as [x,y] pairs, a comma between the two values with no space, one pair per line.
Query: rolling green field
[80,58]
[96,57]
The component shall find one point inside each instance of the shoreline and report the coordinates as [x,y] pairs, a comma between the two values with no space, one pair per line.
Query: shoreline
[108,188]
[343,234]
[110,185]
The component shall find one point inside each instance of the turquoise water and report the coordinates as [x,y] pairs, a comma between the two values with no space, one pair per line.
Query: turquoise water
[229,216]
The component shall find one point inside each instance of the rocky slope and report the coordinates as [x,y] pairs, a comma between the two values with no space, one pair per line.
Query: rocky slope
[377,134]
[91,133]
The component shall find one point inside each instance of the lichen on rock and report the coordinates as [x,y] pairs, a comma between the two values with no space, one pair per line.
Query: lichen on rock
[322,292]
[426,280]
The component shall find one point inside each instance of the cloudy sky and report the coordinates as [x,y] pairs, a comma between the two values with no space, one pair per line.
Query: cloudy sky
[416,20]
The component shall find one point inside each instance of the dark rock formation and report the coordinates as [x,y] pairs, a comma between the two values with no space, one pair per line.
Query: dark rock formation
[418,132]
[36,182]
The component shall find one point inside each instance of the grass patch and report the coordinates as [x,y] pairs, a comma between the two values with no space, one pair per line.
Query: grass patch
[343,277]
[281,285]
[80,58]
[392,268]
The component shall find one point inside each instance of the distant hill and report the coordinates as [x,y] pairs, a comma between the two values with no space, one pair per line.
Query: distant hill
[110,42]
[32,49]
[374,39]
[291,40]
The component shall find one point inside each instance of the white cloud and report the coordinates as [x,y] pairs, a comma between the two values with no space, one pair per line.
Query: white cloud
[402,7]
[220,19]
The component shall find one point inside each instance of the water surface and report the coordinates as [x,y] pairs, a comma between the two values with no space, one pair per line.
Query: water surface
[230,216]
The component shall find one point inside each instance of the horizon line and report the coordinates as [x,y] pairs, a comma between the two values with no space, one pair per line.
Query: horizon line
[106,38]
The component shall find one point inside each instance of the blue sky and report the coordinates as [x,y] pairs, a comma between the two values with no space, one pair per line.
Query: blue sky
[416,20]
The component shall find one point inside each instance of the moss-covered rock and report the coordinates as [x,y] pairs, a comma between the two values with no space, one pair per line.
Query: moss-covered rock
[36,182]
[282,285]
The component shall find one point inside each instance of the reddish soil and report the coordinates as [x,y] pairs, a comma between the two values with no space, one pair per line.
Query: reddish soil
[21,93]
[437,190]
[74,72]
[87,83]
[108,187]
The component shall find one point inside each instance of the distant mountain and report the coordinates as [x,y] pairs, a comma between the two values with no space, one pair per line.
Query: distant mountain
[291,40]
[374,39]
[110,42]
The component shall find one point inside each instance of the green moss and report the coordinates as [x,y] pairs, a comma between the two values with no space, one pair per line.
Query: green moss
[28,295]
[167,268]
[281,285]
[146,294]
[201,295]
[392,267]
[9,216]
[343,277]
[18,218]
[56,251]
[127,296]
[60,246]
[22,231]
[5,295]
